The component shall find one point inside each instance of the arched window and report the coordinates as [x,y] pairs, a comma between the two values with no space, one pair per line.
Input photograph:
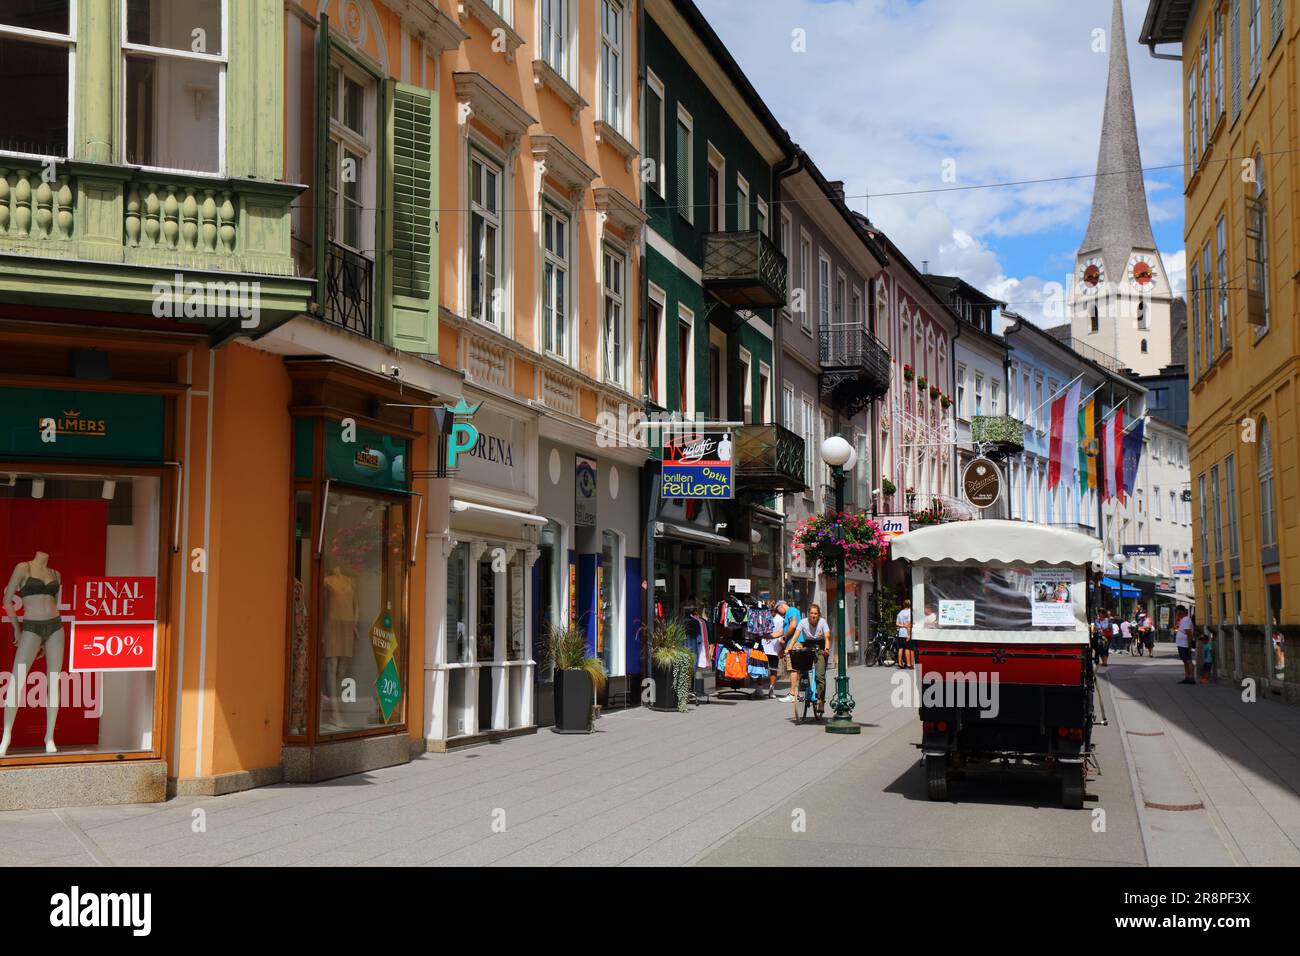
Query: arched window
[1144,346]
[1267,514]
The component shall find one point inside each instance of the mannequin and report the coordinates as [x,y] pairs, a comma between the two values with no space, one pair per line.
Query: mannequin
[37,587]
[339,635]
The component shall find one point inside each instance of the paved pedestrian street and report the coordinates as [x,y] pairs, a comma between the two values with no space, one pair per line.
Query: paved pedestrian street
[737,782]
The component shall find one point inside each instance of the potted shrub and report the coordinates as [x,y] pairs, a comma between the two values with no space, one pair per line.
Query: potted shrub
[934,391]
[920,382]
[578,676]
[887,487]
[671,665]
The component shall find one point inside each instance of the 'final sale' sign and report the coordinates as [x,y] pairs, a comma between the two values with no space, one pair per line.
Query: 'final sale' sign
[115,624]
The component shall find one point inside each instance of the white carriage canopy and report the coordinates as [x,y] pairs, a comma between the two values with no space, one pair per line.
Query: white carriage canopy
[999,581]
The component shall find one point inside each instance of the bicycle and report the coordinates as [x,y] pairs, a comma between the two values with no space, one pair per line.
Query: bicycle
[803,661]
[880,651]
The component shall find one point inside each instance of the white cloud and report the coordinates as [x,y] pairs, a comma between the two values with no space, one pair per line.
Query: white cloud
[1011,91]
[1176,270]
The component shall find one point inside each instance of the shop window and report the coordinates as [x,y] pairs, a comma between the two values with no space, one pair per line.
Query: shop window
[458,650]
[59,534]
[300,614]
[174,75]
[362,634]
[610,589]
[36,53]
[515,608]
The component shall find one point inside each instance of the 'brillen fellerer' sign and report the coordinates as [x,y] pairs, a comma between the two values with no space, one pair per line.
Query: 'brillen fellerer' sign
[698,466]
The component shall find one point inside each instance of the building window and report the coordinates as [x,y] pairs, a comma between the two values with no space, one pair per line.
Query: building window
[1192,152]
[714,185]
[1193,321]
[37,52]
[555,281]
[610,596]
[685,360]
[785,242]
[1267,515]
[809,441]
[961,391]
[838,317]
[1144,346]
[1230,478]
[554,35]
[1257,250]
[1256,28]
[760,221]
[1218,513]
[615,322]
[764,395]
[787,407]
[1094,320]
[1205,530]
[824,291]
[1205,92]
[173,93]
[746,387]
[350,163]
[685,168]
[859,318]
[654,125]
[1155,502]
[1207,303]
[1218,64]
[655,329]
[995,404]
[806,278]
[979,394]
[742,204]
[485,240]
[612,57]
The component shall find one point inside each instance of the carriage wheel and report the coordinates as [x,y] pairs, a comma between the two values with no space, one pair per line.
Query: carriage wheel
[936,776]
[1072,787]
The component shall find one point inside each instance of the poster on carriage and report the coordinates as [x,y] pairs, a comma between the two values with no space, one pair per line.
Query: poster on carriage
[1053,604]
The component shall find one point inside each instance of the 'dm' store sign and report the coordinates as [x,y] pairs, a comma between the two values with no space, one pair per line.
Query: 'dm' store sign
[698,466]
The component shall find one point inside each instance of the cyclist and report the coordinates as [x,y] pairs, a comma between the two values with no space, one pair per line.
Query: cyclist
[815,634]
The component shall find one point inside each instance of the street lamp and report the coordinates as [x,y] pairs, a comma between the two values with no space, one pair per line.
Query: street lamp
[839,454]
[1120,558]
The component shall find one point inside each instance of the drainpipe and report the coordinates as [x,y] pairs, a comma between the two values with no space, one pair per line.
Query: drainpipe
[649,484]
[787,167]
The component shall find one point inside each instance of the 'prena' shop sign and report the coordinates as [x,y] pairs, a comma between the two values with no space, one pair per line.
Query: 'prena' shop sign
[698,466]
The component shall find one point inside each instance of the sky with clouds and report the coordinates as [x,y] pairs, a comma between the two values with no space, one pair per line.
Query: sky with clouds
[887,91]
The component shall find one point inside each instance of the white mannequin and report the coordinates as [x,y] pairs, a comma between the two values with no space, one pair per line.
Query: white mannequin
[38,608]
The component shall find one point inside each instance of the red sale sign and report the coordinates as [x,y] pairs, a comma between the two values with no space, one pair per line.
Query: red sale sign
[116,599]
[113,647]
[115,624]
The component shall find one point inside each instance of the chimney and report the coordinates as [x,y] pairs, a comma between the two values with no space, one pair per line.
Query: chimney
[837,187]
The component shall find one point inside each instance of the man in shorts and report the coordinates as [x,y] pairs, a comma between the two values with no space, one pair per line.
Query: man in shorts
[784,626]
[903,647]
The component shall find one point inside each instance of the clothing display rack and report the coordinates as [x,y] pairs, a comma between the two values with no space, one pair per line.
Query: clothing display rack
[742,622]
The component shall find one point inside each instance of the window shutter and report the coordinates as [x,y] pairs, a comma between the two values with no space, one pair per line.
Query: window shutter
[320,234]
[1234,35]
[410,226]
[1277,18]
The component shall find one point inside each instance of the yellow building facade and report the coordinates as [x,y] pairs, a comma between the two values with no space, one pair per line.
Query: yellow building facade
[1239,72]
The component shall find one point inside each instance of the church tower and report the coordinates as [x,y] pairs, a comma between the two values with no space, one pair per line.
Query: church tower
[1119,300]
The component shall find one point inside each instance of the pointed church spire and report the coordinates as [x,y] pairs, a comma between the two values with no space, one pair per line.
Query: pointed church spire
[1120,221]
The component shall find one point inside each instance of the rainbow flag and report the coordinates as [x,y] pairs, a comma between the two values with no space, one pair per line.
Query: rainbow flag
[1088,446]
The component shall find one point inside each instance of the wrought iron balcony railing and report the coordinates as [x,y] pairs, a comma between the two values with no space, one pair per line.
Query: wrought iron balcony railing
[744,270]
[855,366]
[350,290]
[769,458]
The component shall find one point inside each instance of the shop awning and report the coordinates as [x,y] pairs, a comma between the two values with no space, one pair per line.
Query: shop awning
[458,505]
[1125,591]
[671,529]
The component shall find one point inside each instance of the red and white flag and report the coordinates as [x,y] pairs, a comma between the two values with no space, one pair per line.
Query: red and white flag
[1064,446]
[1112,444]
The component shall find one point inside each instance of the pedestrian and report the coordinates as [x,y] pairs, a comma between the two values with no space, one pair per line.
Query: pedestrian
[1146,632]
[783,633]
[1105,634]
[903,642]
[815,634]
[1126,637]
[1183,640]
[1207,658]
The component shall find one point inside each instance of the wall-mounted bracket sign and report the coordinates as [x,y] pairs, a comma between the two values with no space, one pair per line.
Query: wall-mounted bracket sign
[698,466]
[115,624]
[462,436]
[981,483]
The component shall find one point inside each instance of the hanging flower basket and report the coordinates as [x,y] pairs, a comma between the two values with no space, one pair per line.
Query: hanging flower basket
[824,538]
[908,372]
[945,401]
[934,391]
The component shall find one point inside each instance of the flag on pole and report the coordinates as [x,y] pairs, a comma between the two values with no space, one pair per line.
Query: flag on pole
[1106,473]
[1069,431]
[1133,455]
[1054,444]
[1112,460]
[1087,423]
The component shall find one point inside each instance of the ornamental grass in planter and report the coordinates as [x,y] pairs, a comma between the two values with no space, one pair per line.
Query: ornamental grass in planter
[578,675]
[824,538]
[671,664]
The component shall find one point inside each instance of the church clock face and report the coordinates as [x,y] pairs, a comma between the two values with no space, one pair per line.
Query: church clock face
[1141,273]
[1091,275]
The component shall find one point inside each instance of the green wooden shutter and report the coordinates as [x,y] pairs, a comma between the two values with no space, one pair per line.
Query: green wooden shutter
[410,227]
[1234,37]
[320,234]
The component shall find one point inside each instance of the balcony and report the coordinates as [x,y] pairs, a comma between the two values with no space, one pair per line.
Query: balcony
[769,460]
[855,367]
[106,238]
[349,290]
[1006,434]
[744,270]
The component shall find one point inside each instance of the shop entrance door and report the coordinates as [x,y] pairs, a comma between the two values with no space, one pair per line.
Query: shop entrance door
[485,632]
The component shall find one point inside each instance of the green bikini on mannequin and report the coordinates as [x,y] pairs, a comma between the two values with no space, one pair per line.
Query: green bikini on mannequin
[34,586]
